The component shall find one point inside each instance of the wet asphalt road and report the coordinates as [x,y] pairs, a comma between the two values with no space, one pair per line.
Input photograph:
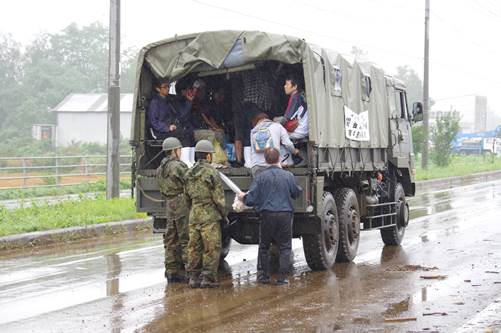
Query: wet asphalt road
[446,277]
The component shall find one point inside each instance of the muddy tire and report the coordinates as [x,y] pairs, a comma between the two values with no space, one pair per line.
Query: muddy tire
[395,234]
[320,249]
[348,212]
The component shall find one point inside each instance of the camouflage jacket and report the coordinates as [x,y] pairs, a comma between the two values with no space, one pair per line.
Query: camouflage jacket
[170,177]
[204,189]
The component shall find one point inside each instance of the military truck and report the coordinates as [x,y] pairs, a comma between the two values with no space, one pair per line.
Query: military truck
[360,163]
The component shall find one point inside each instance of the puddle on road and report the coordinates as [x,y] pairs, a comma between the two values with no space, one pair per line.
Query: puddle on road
[396,309]
[332,295]
[131,292]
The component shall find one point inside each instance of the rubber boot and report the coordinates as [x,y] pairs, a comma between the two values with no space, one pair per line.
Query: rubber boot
[208,282]
[194,282]
[176,278]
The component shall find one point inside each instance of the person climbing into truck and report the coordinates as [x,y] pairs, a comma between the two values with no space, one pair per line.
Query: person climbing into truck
[266,134]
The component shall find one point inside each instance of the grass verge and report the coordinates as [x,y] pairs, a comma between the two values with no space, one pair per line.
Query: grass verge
[94,211]
[27,193]
[460,166]
[66,214]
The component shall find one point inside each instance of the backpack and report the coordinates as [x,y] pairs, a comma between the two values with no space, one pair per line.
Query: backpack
[263,139]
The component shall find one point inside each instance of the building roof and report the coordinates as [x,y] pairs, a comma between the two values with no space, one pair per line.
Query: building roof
[91,103]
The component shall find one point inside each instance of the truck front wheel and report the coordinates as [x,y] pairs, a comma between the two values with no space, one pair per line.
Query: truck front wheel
[320,249]
[395,234]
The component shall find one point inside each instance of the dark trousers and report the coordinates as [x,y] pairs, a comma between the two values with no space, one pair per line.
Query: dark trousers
[276,227]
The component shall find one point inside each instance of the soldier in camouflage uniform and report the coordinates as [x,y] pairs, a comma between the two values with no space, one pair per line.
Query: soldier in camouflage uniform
[170,176]
[204,189]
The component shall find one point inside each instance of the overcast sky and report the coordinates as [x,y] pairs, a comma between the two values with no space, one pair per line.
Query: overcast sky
[465,51]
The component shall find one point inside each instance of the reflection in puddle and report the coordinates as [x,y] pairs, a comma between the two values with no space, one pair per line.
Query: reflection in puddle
[114,267]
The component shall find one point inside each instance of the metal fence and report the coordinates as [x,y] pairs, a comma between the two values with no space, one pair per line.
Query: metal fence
[32,172]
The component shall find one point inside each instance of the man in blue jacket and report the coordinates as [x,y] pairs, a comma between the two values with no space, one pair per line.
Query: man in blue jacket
[271,194]
[170,117]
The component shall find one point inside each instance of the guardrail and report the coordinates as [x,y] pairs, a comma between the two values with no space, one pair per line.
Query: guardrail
[50,171]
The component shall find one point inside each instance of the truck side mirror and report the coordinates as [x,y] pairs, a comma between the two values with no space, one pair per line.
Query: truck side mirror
[417,111]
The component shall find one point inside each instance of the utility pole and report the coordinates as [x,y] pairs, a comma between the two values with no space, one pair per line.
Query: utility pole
[426,96]
[113,132]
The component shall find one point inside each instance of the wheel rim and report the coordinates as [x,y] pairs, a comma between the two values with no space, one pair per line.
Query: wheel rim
[329,233]
[353,225]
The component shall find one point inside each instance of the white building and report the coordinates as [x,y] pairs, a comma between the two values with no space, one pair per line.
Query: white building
[472,110]
[83,118]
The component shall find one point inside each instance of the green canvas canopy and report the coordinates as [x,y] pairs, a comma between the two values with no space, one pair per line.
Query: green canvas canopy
[348,103]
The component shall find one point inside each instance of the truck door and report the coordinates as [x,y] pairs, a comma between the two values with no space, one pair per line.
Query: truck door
[401,139]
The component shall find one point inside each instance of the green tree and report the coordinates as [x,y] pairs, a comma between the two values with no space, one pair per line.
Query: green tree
[128,70]
[444,131]
[418,138]
[10,74]
[74,60]
[412,82]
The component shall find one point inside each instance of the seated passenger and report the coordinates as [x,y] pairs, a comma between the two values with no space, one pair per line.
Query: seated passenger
[295,119]
[170,118]
[206,127]
[221,113]
[267,134]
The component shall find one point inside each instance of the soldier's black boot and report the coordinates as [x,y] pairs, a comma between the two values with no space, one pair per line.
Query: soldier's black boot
[194,282]
[208,282]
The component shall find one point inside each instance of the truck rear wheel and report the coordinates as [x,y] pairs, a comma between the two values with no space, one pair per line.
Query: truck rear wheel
[395,234]
[348,212]
[320,249]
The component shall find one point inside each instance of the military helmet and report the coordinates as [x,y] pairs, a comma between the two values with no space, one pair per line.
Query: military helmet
[171,143]
[204,146]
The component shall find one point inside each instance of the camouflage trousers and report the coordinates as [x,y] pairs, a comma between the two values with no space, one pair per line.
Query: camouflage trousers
[175,245]
[204,249]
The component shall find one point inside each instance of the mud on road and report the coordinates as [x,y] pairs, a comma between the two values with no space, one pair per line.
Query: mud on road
[446,277]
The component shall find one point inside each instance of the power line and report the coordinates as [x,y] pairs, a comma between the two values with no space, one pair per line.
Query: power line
[335,38]
[374,48]
[486,9]
[453,27]
[336,12]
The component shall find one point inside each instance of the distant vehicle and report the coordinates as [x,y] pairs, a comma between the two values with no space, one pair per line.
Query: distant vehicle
[477,143]
[491,146]
[360,163]
[471,146]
